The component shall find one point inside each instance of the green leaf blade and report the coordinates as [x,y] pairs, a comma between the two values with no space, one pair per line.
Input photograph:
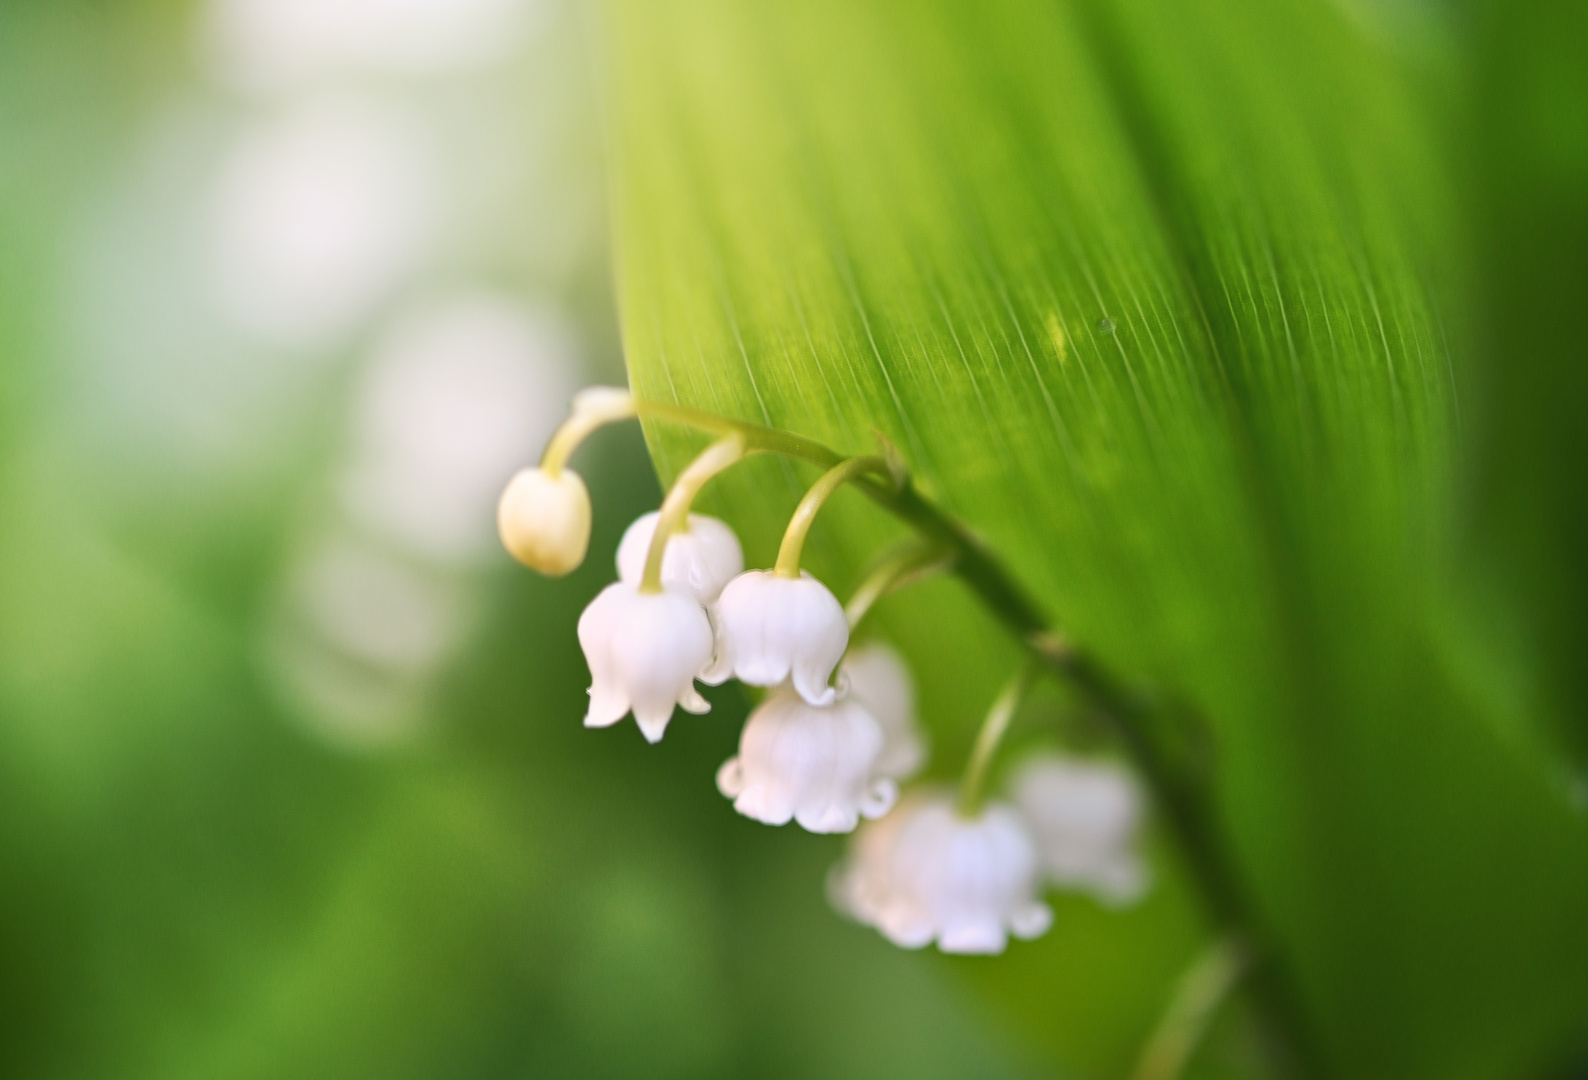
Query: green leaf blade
[1146,294]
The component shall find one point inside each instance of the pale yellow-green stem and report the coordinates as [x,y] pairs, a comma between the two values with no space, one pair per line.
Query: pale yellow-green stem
[1196,1000]
[904,564]
[591,411]
[971,787]
[788,555]
[602,405]
[675,508]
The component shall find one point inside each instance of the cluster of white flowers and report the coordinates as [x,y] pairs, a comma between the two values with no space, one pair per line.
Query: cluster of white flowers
[836,733]
[812,752]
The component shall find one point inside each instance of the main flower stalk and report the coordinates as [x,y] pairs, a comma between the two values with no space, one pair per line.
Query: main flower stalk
[993,730]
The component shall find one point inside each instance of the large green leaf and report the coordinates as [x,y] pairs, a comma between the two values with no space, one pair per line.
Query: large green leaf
[1146,293]
[1532,507]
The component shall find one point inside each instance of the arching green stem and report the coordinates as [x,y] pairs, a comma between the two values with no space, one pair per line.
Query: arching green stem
[788,556]
[756,436]
[972,787]
[904,564]
[1203,988]
[681,496]
[599,406]
[592,409]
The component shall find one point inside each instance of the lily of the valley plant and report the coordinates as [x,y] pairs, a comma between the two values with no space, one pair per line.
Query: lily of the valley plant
[836,735]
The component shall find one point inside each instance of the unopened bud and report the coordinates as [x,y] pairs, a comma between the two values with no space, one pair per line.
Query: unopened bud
[544,520]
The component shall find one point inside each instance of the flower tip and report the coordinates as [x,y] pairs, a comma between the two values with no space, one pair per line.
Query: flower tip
[1032,921]
[827,820]
[730,778]
[603,713]
[973,940]
[879,798]
[544,520]
[821,699]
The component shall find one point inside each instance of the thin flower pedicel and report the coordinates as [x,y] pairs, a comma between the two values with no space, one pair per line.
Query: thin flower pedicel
[544,513]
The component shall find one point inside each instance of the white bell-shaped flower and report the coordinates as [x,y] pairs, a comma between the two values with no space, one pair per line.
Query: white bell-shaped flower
[772,629]
[700,559]
[644,650]
[877,677]
[1084,817]
[544,520]
[924,874]
[815,765]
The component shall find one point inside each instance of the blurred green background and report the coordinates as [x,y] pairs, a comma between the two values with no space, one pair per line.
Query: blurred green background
[292,782]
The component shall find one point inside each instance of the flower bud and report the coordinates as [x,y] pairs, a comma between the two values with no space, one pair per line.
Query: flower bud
[544,520]
[700,559]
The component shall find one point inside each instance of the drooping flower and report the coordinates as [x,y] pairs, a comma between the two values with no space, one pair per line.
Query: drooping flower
[878,678]
[814,764]
[644,651]
[924,873]
[544,520]
[700,559]
[1084,816]
[771,629]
